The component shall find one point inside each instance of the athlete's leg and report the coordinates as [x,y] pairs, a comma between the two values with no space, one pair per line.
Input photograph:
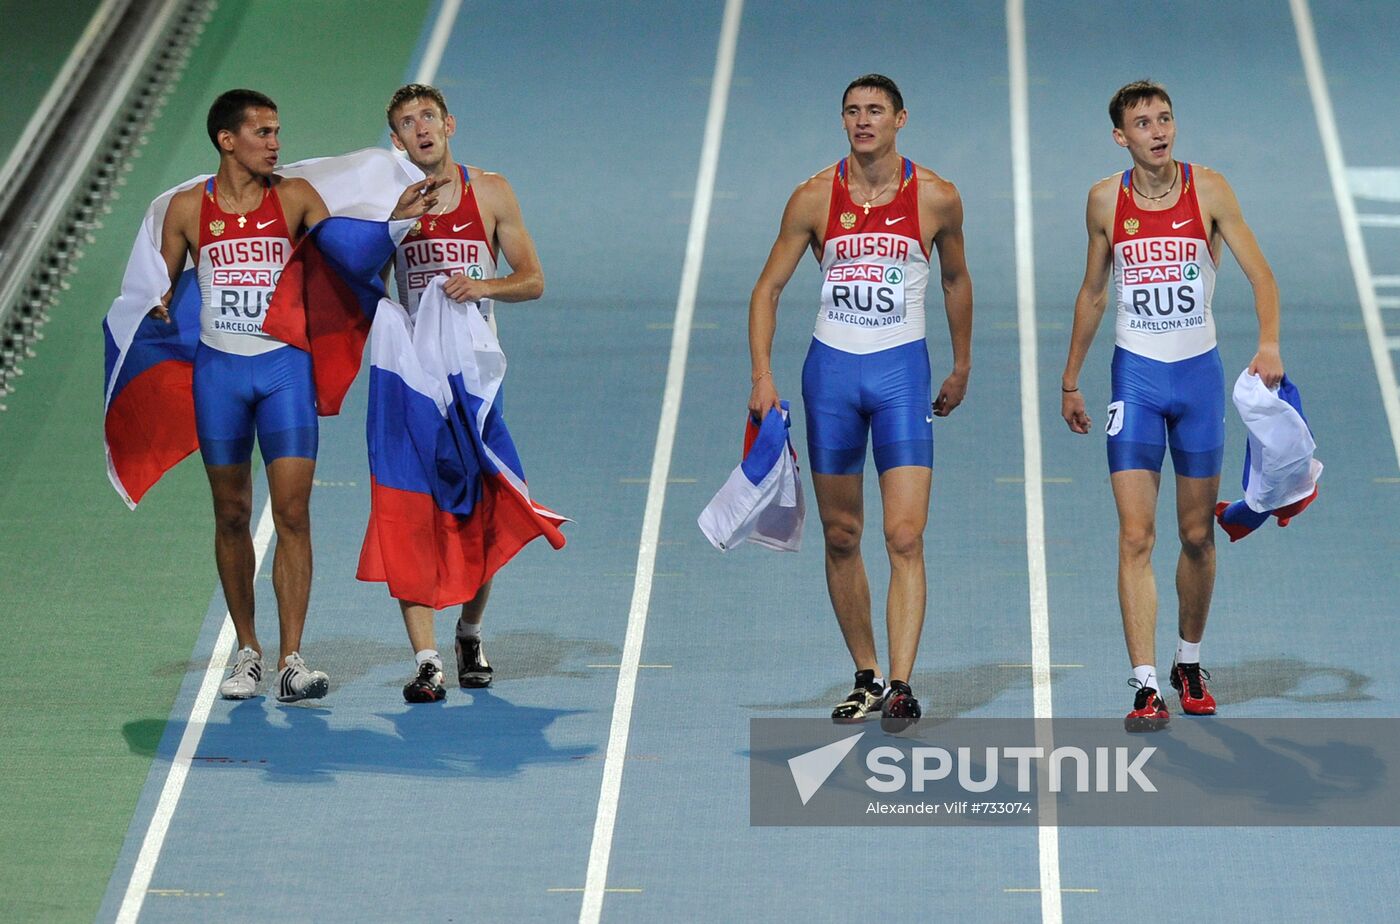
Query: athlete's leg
[232,490]
[475,608]
[1195,569]
[418,620]
[905,495]
[1135,494]
[289,481]
[841,506]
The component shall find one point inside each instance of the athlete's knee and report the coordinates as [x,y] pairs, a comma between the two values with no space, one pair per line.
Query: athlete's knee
[1198,539]
[1135,541]
[291,515]
[232,515]
[904,540]
[842,538]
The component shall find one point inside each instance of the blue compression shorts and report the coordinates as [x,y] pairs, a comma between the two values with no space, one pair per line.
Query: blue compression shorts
[1155,404]
[271,393]
[886,394]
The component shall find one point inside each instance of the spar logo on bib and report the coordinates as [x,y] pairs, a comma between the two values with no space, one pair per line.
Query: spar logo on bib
[864,294]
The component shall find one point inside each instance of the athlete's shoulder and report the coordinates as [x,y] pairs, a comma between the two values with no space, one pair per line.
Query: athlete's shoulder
[184,206]
[1208,181]
[1103,195]
[933,188]
[293,187]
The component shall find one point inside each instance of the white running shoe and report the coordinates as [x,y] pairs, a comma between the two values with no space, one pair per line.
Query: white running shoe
[297,681]
[242,682]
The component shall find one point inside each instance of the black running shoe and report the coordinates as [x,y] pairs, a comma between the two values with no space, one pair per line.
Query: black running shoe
[473,672]
[427,686]
[865,700]
[901,709]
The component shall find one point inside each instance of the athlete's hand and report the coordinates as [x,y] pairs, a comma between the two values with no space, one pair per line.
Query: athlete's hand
[764,397]
[462,288]
[1072,410]
[162,311]
[951,394]
[1268,365]
[418,198]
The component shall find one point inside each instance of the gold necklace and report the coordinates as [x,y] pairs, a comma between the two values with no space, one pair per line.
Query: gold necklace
[1163,195]
[434,216]
[243,215]
[870,199]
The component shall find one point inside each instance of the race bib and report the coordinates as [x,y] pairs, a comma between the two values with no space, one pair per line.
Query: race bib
[864,295]
[1115,418]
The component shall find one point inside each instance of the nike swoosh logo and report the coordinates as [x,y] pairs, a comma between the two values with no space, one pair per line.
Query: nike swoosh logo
[1181,224]
[895,221]
[457,228]
[928,419]
[264,224]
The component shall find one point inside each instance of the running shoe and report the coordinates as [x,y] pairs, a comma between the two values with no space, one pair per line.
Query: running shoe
[901,709]
[473,672]
[242,682]
[865,700]
[297,681]
[427,686]
[1189,681]
[1149,712]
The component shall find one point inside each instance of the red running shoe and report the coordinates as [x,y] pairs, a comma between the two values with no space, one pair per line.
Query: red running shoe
[1149,712]
[1189,681]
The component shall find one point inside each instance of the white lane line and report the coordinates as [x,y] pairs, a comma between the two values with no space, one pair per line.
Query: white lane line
[1048,832]
[437,42]
[1351,227]
[146,859]
[1378,220]
[1388,282]
[599,853]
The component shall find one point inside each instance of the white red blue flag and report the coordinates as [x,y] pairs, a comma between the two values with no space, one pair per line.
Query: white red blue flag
[1280,473]
[148,400]
[761,502]
[449,504]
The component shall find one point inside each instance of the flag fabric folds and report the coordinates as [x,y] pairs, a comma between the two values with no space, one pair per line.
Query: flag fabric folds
[336,269]
[1280,473]
[762,501]
[149,406]
[449,504]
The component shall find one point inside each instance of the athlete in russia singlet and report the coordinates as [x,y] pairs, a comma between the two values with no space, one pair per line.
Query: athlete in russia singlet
[244,380]
[868,369]
[446,245]
[1167,375]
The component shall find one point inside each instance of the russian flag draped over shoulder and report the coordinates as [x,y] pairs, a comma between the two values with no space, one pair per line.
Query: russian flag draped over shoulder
[149,405]
[761,502]
[449,504]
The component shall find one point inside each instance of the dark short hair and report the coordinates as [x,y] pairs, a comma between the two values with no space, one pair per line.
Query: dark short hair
[412,91]
[1139,91]
[876,82]
[230,111]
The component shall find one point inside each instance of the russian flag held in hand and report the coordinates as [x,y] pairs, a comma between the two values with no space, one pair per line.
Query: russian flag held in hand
[1280,473]
[761,502]
[335,271]
[449,504]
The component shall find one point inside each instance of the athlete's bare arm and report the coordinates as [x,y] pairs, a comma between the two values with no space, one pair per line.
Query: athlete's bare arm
[302,205]
[802,226]
[179,239]
[1221,210]
[940,209]
[501,213]
[1089,304]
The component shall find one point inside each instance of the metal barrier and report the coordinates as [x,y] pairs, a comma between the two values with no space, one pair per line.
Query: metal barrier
[74,152]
